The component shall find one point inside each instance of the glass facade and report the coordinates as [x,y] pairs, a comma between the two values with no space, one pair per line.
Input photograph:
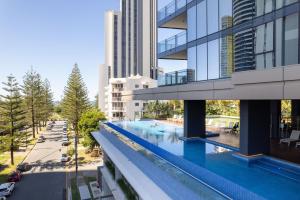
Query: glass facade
[224,36]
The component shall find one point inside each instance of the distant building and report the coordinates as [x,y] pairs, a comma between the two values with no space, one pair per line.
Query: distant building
[117,107]
[130,47]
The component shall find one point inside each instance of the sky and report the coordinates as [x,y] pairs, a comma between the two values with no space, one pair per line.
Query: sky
[52,35]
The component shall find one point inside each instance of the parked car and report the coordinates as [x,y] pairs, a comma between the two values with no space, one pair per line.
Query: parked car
[14,176]
[40,140]
[65,143]
[64,158]
[6,189]
[2,198]
[42,137]
[23,167]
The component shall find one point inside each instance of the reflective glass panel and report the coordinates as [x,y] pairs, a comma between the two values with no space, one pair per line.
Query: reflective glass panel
[201,19]
[192,24]
[225,14]
[291,39]
[213,59]
[212,16]
[202,62]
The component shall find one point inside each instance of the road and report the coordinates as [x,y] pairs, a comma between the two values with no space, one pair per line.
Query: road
[47,179]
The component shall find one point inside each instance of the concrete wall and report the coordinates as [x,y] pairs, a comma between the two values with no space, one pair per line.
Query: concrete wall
[276,83]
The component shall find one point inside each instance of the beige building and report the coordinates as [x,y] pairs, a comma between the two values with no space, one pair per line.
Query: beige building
[118,108]
[130,51]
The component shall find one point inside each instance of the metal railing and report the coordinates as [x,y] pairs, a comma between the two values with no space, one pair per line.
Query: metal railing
[172,42]
[177,77]
[171,8]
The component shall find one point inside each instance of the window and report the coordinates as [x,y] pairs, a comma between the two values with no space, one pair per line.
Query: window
[291,39]
[264,46]
[145,86]
[192,56]
[137,104]
[226,56]
[225,14]
[268,6]
[202,62]
[212,16]
[279,41]
[260,6]
[264,7]
[201,19]
[192,24]
[136,86]
[287,2]
[279,3]
[213,59]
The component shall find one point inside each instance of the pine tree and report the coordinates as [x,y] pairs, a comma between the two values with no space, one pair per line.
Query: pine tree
[31,83]
[75,102]
[47,99]
[12,112]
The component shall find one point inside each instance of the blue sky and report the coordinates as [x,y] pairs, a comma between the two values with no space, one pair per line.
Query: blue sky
[51,35]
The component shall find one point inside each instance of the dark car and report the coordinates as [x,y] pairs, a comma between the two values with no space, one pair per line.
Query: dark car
[14,176]
[24,167]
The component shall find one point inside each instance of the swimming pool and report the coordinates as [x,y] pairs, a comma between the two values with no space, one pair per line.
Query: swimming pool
[214,158]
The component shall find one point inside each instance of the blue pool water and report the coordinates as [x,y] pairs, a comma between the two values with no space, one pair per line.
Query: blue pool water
[216,159]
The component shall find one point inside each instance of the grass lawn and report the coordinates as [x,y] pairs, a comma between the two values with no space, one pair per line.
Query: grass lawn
[8,168]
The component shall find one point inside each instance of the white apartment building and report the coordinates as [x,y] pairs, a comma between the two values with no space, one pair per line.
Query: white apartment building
[118,108]
[130,56]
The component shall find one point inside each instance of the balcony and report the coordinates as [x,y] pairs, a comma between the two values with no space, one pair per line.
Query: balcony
[116,99]
[177,77]
[118,109]
[117,90]
[174,47]
[173,15]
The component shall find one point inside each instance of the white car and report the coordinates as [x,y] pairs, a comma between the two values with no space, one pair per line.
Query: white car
[6,189]
[64,158]
[65,140]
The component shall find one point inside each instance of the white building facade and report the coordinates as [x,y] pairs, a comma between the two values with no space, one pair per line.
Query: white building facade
[118,108]
[130,56]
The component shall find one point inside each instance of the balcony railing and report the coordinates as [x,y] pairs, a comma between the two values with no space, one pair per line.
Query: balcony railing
[117,89]
[171,8]
[118,108]
[117,99]
[172,42]
[177,77]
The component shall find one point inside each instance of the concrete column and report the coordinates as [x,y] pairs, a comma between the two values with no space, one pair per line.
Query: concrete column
[255,125]
[275,118]
[194,118]
[295,114]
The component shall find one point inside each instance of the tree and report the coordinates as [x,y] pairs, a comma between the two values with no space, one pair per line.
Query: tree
[75,103]
[31,84]
[88,123]
[12,112]
[47,102]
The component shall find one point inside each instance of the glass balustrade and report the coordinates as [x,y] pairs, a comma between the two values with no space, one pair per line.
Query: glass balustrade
[172,42]
[171,8]
[177,77]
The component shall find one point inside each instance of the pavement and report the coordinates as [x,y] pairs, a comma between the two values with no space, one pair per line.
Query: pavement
[47,178]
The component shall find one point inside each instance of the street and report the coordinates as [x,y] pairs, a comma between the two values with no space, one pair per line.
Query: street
[47,178]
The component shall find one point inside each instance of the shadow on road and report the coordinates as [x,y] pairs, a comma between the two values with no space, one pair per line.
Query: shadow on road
[40,186]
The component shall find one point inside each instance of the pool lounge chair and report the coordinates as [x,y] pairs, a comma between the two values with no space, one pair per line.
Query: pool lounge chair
[294,137]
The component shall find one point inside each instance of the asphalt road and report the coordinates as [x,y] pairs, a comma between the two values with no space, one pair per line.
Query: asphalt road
[47,179]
